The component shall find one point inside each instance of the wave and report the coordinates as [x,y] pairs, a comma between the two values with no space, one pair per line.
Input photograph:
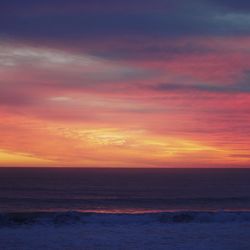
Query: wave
[66,218]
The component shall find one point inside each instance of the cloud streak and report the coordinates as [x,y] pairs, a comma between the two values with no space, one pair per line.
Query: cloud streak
[126,83]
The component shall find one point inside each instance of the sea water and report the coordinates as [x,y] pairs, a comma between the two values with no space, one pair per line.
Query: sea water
[149,209]
[123,190]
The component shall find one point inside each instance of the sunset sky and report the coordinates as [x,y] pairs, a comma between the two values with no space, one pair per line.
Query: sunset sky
[115,83]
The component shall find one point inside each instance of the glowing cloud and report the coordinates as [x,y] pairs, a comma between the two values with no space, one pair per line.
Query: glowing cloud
[142,84]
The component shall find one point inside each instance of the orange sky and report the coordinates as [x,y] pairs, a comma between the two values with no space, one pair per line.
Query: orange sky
[49,117]
[133,93]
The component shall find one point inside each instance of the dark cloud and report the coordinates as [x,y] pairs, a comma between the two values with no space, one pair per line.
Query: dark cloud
[152,50]
[233,5]
[55,20]
[46,6]
[64,6]
[227,89]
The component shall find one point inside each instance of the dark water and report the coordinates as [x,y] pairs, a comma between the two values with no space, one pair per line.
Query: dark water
[123,190]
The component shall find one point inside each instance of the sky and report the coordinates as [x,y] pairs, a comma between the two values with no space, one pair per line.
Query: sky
[114,83]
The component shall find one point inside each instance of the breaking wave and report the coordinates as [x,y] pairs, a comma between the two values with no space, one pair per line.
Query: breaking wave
[66,218]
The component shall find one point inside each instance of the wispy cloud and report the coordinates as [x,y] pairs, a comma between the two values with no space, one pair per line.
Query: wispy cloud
[125,83]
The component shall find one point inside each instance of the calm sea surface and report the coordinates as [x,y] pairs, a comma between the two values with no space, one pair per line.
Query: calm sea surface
[123,190]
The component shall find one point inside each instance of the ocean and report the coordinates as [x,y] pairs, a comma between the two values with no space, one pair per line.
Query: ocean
[73,208]
[123,190]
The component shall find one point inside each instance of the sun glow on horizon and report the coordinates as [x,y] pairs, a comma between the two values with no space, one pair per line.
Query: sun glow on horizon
[10,159]
[109,90]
